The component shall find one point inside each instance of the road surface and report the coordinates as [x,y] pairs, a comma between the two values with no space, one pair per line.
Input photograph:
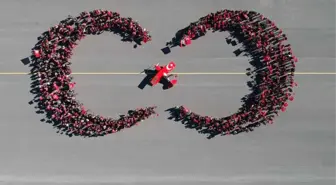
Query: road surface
[298,149]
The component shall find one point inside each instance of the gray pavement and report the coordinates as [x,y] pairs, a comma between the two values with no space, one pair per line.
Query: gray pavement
[298,149]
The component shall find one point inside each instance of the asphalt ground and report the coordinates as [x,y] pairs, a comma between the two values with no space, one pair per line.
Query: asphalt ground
[298,149]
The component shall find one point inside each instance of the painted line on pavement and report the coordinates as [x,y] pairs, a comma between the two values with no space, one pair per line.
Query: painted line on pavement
[181,73]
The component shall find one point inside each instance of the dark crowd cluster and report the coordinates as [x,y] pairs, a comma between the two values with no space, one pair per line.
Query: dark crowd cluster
[51,74]
[272,75]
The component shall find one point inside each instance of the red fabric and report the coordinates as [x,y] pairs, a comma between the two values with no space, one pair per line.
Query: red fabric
[72,85]
[145,40]
[37,53]
[283,109]
[187,41]
[157,67]
[55,97]
[291,98]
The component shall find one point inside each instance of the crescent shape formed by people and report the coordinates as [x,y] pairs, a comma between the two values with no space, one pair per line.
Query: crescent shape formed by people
[272,79]
[276,85]
[70,119]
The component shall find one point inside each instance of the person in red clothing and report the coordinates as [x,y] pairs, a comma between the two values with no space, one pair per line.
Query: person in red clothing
[37,53]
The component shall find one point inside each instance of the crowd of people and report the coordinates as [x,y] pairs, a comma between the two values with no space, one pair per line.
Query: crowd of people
[52,80]
[272,76]
[272,84]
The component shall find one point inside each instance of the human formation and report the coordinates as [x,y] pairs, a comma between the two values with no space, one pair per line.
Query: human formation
[272,77]
[52,80]
[272,84]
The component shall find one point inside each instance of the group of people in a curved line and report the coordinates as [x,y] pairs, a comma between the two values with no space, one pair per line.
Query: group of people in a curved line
[51,73]
[273,73]
[273,76]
